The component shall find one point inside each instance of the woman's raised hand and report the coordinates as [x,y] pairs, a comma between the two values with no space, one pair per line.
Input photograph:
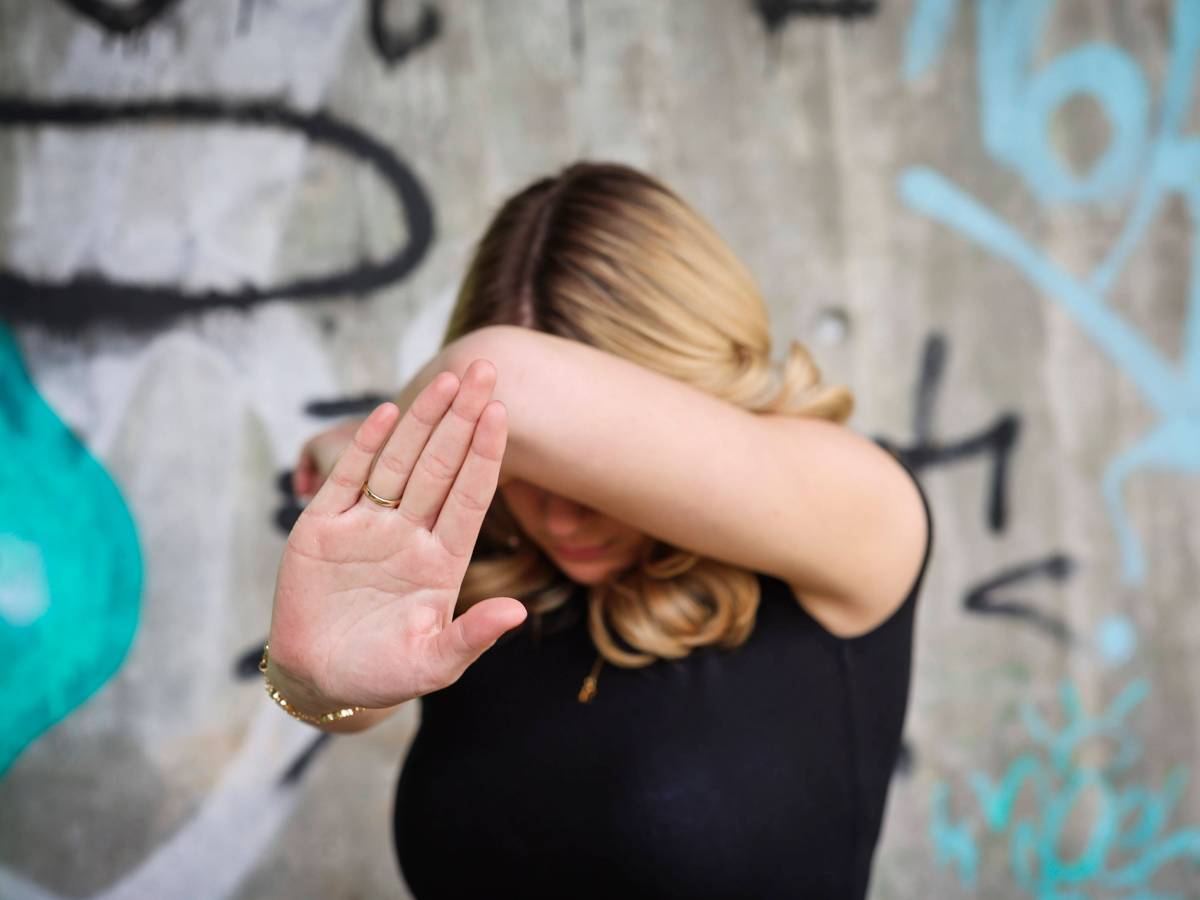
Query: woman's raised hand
[365,595]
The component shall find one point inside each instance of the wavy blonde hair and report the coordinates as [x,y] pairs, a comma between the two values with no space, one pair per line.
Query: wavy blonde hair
[604,254]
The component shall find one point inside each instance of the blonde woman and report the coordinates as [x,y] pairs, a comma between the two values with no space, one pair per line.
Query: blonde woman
[656,600]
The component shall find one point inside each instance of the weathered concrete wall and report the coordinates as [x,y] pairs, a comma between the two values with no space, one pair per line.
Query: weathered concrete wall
[982,219]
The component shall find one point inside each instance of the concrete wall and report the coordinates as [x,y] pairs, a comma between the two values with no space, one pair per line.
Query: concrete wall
[225,222]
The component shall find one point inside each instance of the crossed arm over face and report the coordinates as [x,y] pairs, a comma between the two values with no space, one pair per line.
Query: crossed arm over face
[808,501]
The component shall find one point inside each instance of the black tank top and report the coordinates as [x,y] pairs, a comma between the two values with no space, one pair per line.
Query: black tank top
[755,772]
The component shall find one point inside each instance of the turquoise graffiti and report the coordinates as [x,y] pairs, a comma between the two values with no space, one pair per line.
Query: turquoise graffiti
[1146,162]
[70,565]
[1128,840]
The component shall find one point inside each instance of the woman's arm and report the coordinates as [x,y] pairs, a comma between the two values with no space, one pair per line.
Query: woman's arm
[806,500]
[439,362]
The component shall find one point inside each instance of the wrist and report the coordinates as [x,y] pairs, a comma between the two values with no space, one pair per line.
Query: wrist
[299,699]
[299,695]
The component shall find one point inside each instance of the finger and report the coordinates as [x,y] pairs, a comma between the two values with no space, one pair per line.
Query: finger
[299,484]
[458,523]
[437,467]
[303,476]
[466,638]
[343,486]
[391,470]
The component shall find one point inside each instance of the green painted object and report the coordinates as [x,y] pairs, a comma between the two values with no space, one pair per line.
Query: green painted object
[70,565]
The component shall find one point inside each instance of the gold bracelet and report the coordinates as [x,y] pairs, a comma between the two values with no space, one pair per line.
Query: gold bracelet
[274,694]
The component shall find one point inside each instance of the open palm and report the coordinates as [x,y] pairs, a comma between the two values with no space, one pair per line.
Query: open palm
[365,595]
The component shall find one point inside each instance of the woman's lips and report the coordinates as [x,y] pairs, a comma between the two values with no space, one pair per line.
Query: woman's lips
[583,552]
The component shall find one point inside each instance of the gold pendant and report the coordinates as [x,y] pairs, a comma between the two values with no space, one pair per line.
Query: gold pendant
[588,690]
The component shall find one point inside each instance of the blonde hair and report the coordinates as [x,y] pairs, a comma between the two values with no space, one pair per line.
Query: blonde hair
[609,256]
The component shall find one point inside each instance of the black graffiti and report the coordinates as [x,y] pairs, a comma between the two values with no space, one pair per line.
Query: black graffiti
[981,598]
[289,504]
[121,18]
[345,406]
[998,442]
[393,44]
[995,441]
[304,760]
[775,13]
[91,297]
[245,668]
[289,508]
[246,665]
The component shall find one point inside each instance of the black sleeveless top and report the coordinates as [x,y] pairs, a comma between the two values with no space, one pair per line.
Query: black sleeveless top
[755,772]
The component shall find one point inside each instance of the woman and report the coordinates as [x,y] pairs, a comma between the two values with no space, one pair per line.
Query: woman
[656,599]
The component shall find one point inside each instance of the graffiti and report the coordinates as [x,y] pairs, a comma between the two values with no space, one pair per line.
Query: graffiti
[1124,848]
[1015,110]
[237,822]
[980,598]
[996,442]
[289,508]
[239,819]
[300,764]
[91,297]
[775,13]
[345,406]
[121,18]
[1126,843]
[393,44]
[245,668]
[70,564]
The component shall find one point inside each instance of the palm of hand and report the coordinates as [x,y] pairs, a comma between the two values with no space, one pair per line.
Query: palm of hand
[365,594]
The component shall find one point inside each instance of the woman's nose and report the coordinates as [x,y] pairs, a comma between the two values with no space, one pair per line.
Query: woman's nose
[563,516]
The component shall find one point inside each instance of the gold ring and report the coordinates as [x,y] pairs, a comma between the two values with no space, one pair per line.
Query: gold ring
[381,501]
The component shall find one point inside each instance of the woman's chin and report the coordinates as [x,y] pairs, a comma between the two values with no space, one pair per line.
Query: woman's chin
[589,572]
[592,571]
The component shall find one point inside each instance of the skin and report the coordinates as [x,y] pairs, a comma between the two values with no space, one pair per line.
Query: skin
[793,497]
[551,521]
[363,614]
[803,499]
[395,572]
[545,518]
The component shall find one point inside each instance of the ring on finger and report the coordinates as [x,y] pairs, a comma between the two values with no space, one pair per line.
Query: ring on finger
[379,501]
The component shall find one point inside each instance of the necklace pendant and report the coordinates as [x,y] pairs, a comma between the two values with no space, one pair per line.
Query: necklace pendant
[588,691]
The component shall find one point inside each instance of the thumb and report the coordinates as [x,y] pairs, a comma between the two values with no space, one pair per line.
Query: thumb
[466,638]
